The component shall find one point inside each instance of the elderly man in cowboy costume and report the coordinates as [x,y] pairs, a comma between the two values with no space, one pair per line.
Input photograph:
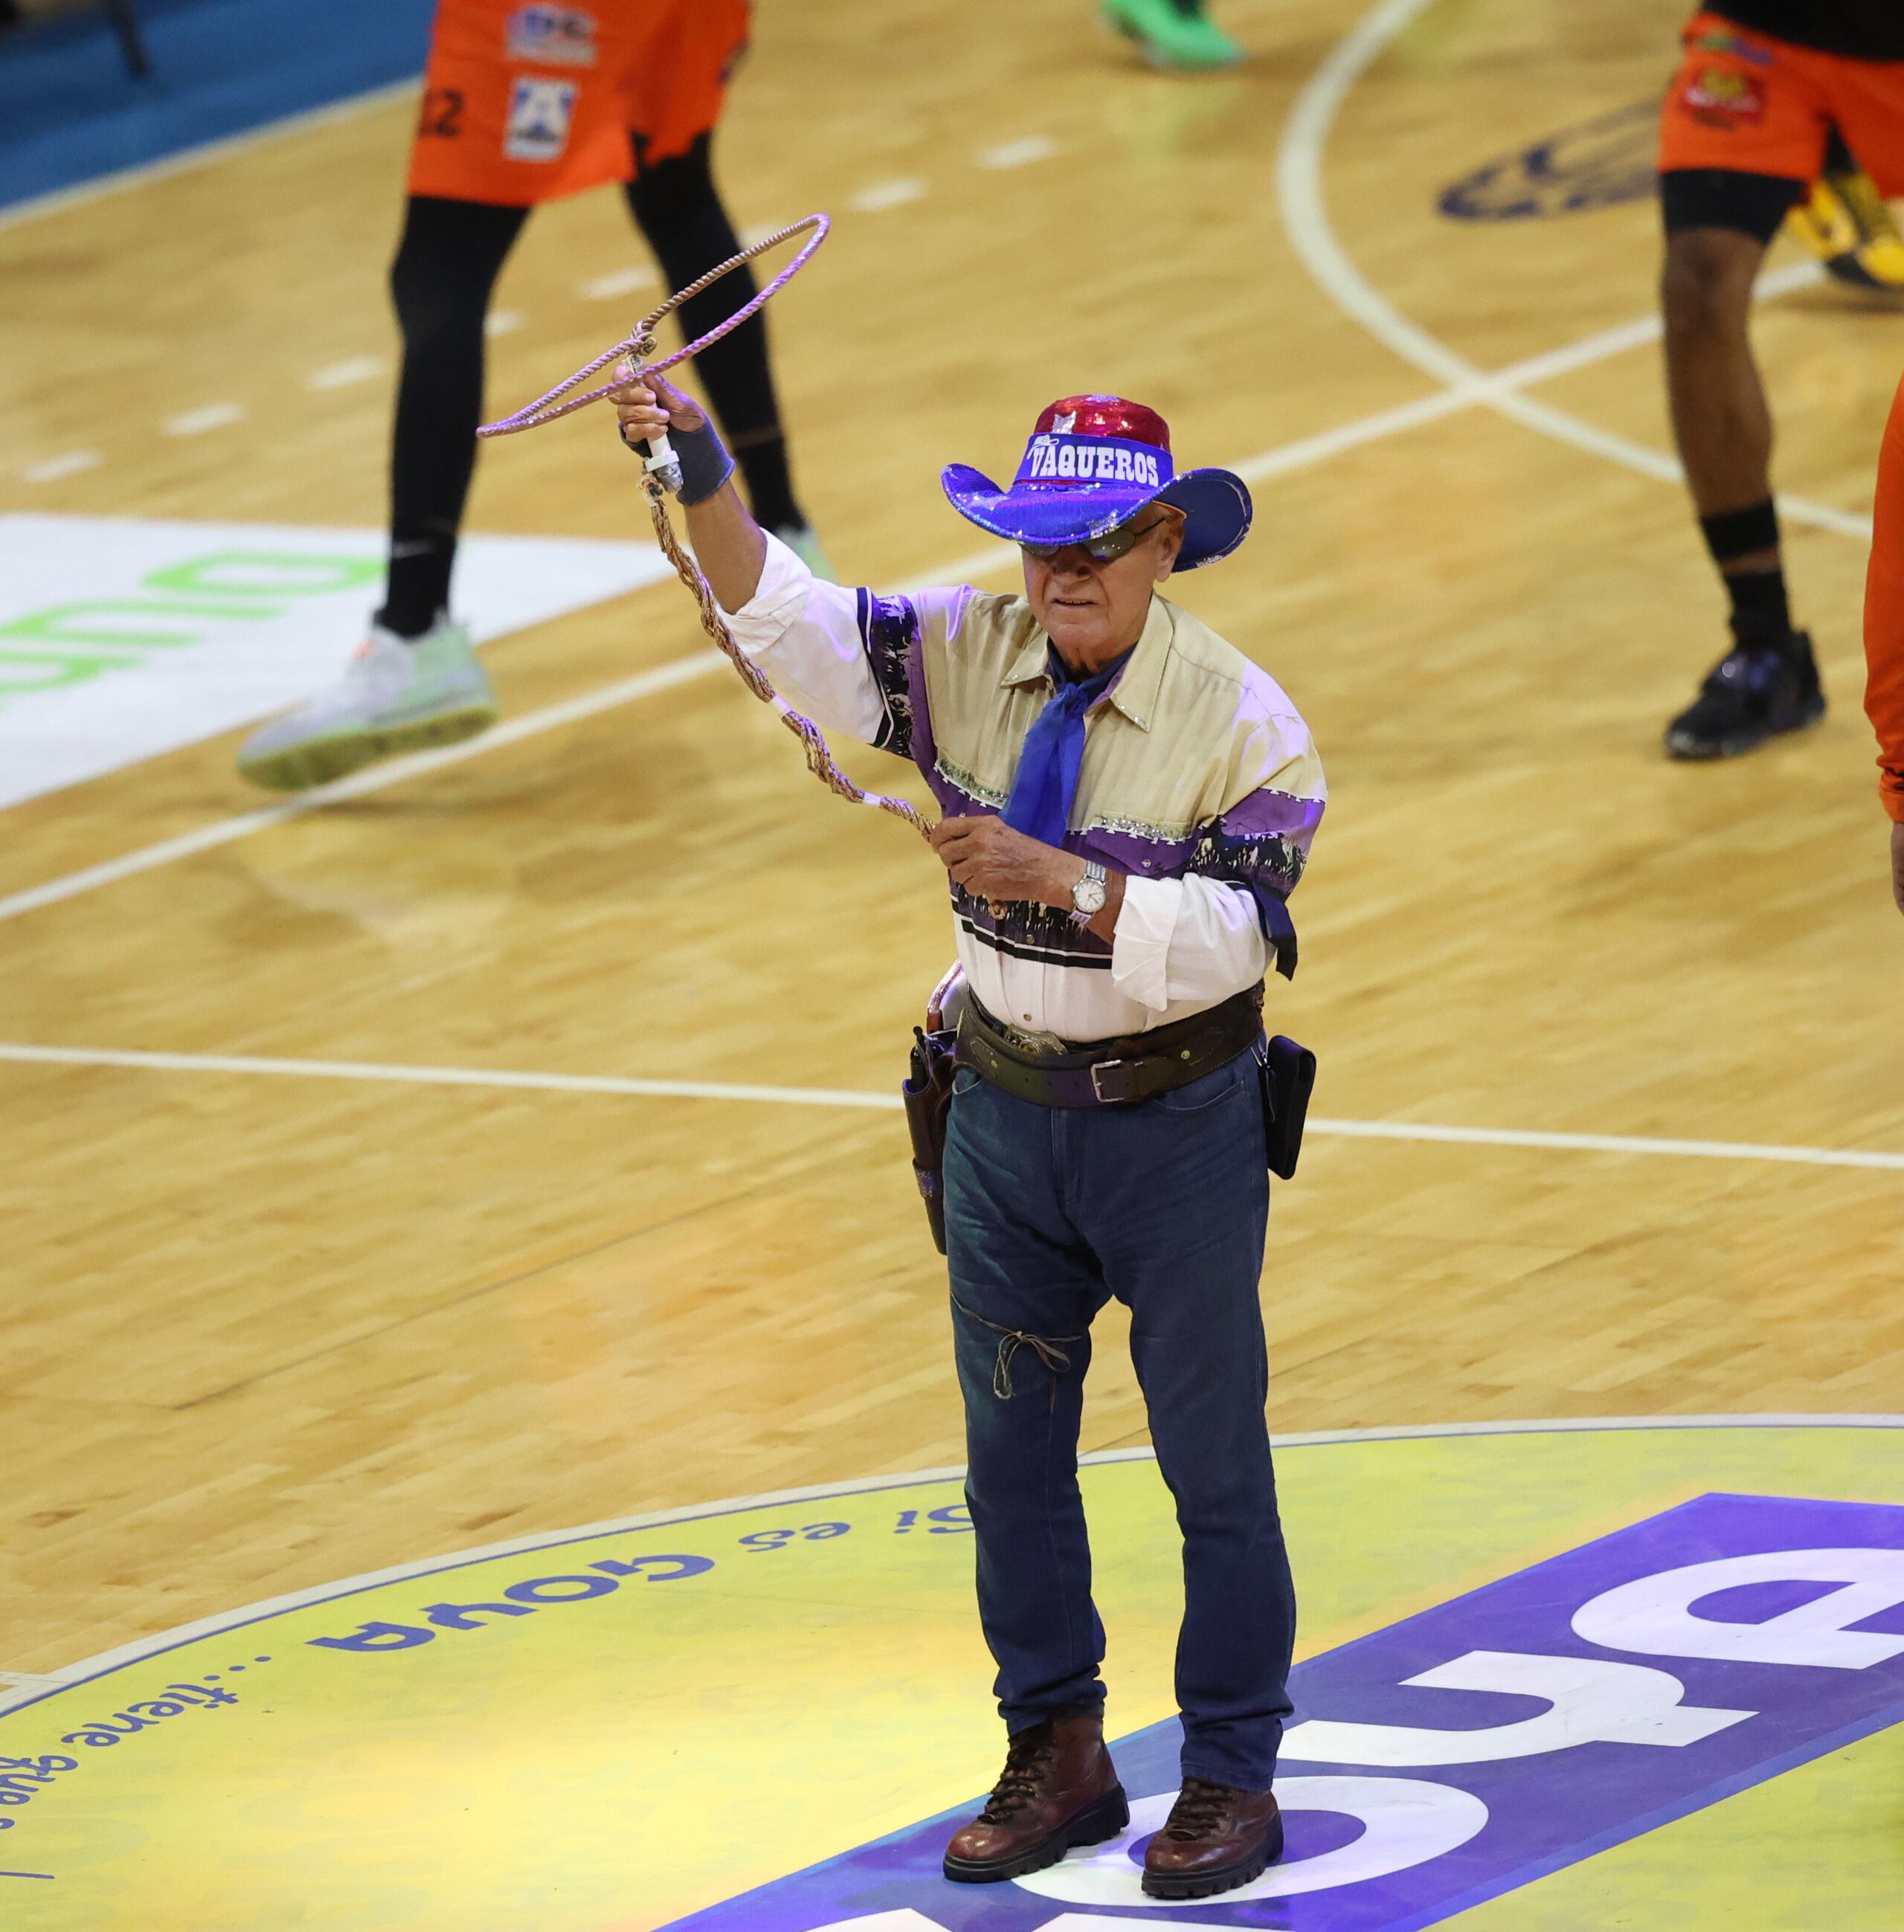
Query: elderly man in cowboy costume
[1128,802]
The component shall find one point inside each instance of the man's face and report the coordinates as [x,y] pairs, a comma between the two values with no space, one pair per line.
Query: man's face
[1094,610]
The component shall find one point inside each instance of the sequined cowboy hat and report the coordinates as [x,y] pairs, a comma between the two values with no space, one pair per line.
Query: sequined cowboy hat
[1093,463]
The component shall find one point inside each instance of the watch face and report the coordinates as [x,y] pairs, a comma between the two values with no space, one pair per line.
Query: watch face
[1088,895]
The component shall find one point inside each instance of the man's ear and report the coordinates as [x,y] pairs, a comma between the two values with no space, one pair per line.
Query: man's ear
[1171,542]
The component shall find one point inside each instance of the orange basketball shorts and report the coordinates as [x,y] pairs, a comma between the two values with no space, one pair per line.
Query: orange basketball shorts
[524,100]
[1746,102]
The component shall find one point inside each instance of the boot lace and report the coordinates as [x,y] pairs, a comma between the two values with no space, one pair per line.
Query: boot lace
[1028,1757]
[1201,1810]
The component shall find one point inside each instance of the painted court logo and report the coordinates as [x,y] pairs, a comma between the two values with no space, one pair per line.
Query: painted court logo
[123,638]
[564,1731]
[1597,164]
[1480,1745]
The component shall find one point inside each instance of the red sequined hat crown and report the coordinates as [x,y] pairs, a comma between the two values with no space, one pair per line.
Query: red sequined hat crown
[1094,462]
[1104,415]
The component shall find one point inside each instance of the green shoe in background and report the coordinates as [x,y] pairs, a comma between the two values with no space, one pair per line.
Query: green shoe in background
[800,538]
[1172,35]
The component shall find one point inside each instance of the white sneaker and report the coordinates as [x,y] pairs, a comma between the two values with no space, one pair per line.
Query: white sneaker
[396,697]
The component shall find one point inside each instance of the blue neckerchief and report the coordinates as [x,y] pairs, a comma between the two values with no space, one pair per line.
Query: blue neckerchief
[1046,781]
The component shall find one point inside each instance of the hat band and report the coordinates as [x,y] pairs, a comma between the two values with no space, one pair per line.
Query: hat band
[1094,459]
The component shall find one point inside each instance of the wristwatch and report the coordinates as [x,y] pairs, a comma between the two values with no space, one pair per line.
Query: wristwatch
[1088,895]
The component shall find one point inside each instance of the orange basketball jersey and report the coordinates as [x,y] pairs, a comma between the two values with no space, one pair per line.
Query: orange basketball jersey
[1884,614]
[527,100]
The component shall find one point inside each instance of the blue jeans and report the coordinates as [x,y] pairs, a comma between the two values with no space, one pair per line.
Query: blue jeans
[1049,1212]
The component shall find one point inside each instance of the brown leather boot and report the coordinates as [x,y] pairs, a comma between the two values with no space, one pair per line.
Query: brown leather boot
[1215,1839]
[1058,1789]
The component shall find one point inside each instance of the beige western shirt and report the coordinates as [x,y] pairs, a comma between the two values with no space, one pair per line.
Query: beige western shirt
[1199,782]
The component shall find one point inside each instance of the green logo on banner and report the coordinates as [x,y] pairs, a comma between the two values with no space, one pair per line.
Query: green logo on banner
[186,603]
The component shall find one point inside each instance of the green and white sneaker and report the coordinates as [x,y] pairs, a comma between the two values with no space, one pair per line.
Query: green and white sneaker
[1172,35]
[801,539]
[396,697]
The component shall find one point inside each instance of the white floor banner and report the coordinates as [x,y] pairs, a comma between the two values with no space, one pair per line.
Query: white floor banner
[122,637]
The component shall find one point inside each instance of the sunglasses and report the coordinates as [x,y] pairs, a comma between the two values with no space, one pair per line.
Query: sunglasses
[1106,549]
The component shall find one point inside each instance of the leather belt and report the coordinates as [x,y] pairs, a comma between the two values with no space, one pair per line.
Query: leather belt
[1108,1072]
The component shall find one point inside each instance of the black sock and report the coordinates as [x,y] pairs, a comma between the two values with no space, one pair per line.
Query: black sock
[1760,615]
[678,209]
[446,265]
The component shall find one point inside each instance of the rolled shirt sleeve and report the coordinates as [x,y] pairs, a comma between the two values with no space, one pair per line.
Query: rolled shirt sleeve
[1212,932]
[1192,941]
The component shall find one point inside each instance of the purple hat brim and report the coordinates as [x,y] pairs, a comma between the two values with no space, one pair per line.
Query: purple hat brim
[1215,504]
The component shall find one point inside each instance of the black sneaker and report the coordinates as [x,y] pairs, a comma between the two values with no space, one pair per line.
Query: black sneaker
[1753,693]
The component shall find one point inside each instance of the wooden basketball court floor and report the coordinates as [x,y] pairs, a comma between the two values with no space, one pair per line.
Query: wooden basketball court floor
[267,1325]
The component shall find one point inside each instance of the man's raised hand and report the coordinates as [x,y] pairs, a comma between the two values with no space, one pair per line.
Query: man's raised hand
[651,406]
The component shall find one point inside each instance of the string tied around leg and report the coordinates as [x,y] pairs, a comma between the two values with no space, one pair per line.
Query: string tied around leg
[1045,1347]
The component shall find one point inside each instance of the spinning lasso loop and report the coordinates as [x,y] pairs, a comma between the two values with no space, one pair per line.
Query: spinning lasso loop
[636,348]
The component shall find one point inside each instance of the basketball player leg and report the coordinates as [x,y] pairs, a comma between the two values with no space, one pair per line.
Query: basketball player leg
[1175,34]
[520,106]
[678,206]
[415,682]
[1717,226]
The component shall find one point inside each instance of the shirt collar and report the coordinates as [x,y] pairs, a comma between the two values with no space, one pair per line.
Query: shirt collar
[1135,692]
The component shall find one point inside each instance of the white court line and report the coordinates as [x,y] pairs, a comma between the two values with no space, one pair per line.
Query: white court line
[1017,153]
[342,375]
[502,1077]
[442,1076]
[55,469]
[1306,217]
[87,1670]
[886,194]
[198,422]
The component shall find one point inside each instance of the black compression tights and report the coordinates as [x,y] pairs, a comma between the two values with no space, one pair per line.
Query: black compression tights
[447,266]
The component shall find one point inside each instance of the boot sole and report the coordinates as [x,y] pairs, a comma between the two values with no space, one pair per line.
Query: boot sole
[1707,752]
[1104,1819]
[1226,1878]
[323,760]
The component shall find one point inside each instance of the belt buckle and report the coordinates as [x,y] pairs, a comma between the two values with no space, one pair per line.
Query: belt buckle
[1100,1068]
